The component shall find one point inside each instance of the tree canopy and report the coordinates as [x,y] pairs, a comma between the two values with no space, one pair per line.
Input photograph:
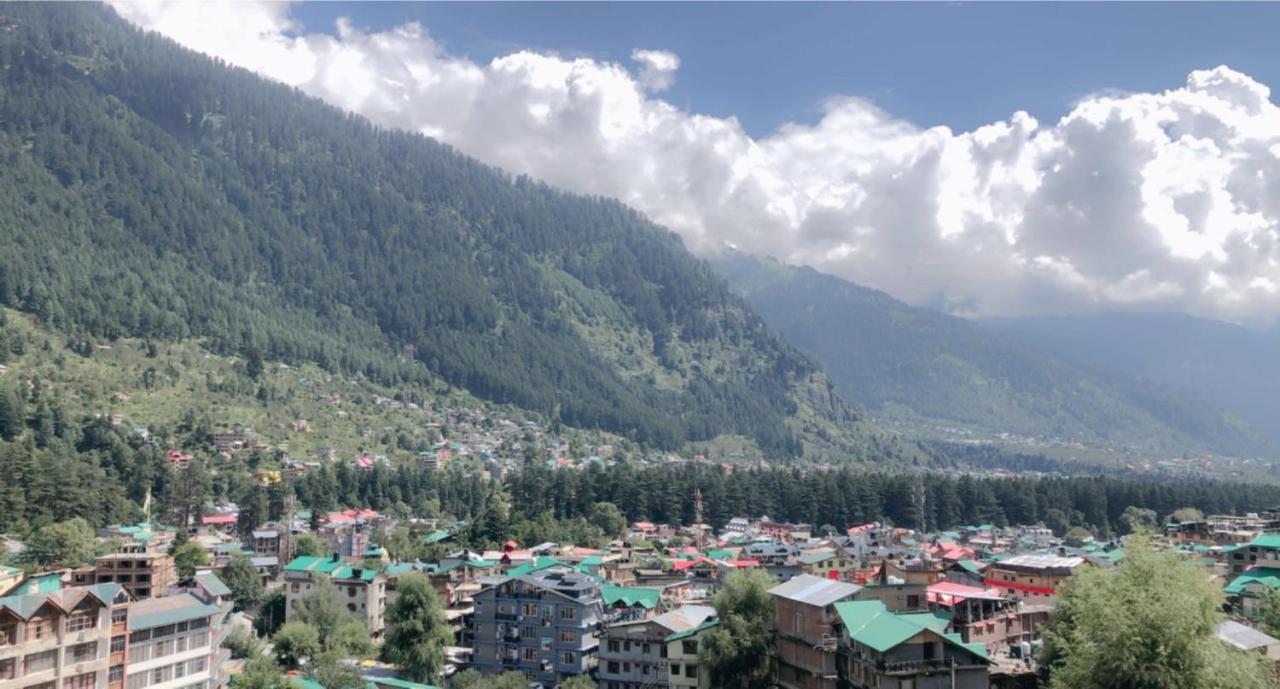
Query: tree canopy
[736,653]
[417,632]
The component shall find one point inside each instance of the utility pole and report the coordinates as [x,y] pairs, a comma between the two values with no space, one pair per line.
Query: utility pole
[918,500]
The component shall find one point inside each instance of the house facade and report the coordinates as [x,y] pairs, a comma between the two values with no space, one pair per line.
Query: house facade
[805,614]
[69,638]
[634,654]
[879,649]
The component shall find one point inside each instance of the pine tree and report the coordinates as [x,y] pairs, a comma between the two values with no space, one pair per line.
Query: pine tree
[417,631]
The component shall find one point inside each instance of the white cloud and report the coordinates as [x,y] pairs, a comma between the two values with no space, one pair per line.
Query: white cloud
[1164,201]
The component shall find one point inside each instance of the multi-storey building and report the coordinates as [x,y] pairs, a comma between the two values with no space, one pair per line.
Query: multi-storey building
[72,638]
[634,654]
[363,590]
[806,640]
[1032,578]
[684,669]
[878,649]
[140,572]
[545,624]
[175,642]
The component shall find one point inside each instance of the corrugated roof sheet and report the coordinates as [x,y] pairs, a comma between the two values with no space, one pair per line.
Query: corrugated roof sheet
[631,596]
[816,591]
[871,624]
[156,612]
[690,632]
[213,584]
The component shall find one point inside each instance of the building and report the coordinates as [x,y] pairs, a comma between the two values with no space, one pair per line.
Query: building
[806,641]
[685,671]
[175,642]
[1032,578]
[266,541]
[634,654]
[363,590]
[1262,551]
[141,573]
[1246,638]
[878,648]
[69,638]
[545,624]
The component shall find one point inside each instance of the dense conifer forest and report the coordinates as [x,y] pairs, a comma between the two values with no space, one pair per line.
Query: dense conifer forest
[152,192]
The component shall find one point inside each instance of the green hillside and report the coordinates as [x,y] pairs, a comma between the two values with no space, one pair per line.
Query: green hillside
[921,367]
[150,192]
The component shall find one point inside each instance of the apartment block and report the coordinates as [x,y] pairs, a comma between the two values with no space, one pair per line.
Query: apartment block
[545,624]
[684,670]
[363,590]
[70,638]
[142,573]
[806,639]
[880,649]
[634,654]
[175,642]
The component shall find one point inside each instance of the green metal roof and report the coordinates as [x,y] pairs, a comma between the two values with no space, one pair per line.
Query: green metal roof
[592,561]
[937,620]
[815,558]
[1270,541]
[349,574]
[871,624]
[40,583]
[213,584]
[26,604]
[1267,576]
[140,617]
[436,537]
[313,563]
[719,554]
[695,630]
[631,596]
[970,566]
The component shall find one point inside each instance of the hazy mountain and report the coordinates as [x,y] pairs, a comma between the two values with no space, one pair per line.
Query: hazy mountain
[149,191]
[914,364]
[1234,367]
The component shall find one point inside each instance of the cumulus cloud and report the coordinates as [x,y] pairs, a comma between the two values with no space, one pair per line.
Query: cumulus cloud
[1166,201]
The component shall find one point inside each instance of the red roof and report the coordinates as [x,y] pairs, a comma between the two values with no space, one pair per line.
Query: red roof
[218,519]
[949,593]
[682,565]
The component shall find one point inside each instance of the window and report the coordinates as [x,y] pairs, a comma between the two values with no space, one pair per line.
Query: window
[119,615]
[568,613]
[39,662]
[83,652]
[179,670]
[913,601]
[8,632]
[199,640]
[83,681]
[570,636]
[139,636]
[546,643]
[351,607]
[675,669]
[180,644]
[568,657]
[613,667]
[137,681]
[529,653]
[198,665]
[166,630]
[614,646]
[200,623]
[162,649]
[645,649]
[8,668]
[689,648]
[39,628]
[691,670]
[157,675]
[115,674]
[529,609]
[351,592]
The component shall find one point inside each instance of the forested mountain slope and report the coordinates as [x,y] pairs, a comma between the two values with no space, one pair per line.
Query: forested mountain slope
[1235,367]
[148,191]
[914,364]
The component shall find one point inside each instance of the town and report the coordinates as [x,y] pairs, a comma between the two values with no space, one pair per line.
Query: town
[867,605]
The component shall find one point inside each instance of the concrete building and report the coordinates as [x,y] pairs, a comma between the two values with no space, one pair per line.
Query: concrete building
[364,591]
[685,671]
[545,624]
[142,573]
[68,638]
[881,649]
[175,642]
[634,654]
[1032,578]
[806,639]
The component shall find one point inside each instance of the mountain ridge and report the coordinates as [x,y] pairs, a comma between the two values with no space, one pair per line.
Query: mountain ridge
[150,191]
[919,365]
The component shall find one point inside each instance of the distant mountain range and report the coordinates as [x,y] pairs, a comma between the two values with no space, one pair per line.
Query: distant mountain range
[1235,368]
[916,365]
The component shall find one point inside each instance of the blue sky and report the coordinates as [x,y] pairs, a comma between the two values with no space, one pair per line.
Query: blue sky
[1147,177]
[955,64]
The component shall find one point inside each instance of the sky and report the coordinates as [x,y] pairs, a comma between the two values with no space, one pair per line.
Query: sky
[986,159]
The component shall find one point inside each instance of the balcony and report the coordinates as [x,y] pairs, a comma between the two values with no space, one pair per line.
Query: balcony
[911,667]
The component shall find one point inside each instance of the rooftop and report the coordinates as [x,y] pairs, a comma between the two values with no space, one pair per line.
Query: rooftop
[156,612]
[815,591]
